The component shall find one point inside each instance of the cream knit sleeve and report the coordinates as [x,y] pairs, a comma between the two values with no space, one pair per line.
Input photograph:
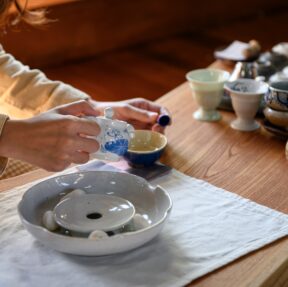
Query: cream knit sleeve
[25,92]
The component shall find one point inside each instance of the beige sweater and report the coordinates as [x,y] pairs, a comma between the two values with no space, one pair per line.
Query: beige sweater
[25,92]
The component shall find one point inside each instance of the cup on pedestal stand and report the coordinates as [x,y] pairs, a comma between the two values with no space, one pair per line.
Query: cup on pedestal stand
[207,89]
[246,95]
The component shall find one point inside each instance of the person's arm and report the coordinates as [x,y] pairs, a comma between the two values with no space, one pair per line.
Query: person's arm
[25,92]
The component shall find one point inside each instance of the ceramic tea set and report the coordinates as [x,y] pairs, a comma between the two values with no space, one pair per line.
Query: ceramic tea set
[117,139]
[208,88]
[259,86]
[102,212]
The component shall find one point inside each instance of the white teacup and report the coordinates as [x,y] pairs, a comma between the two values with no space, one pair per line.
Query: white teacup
[114,136]
[246,95]
[207,88]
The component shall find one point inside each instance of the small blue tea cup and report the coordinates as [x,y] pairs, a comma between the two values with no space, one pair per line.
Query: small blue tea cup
[145,148]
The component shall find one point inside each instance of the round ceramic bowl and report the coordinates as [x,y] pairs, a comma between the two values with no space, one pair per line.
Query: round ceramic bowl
[145,148]
[151,202]
[276,118]
[277,98]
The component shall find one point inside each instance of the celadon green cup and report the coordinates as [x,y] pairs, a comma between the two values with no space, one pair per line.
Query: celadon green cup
[207,87]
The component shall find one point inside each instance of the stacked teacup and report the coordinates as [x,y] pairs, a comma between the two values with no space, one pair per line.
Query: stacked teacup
[276,99]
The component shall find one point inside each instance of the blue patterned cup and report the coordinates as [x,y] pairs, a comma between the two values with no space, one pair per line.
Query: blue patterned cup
[145,148]
[277,98]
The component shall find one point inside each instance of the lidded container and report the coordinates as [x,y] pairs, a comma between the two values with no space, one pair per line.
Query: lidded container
[114,136]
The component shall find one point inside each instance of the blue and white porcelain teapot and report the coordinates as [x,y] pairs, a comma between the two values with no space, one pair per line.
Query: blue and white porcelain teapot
[114,136]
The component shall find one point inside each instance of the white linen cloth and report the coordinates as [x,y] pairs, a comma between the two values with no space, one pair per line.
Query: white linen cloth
[208,228]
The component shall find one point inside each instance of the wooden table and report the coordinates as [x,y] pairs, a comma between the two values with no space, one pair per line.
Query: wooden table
[251,164]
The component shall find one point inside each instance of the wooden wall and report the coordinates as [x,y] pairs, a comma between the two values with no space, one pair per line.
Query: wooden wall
[85,28]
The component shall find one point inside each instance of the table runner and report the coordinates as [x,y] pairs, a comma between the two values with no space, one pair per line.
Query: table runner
[208,228]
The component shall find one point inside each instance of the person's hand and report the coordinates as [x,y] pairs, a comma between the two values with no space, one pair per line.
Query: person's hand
[141,113]
[54,139]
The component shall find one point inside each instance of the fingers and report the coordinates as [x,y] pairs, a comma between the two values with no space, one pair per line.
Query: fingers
[161,110]
[86,127]
[156,108]
[74,146]
[69,144]
[149,106]
[76,157]
[75,151]
[78,108]
[85,144]
[141,115]
[158,128]
[155,127]
[140,125]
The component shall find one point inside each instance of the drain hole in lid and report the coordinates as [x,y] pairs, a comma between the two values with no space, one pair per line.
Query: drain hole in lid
[94,215]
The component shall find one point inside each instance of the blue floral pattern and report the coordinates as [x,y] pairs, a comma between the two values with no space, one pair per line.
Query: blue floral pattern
[240,87]
[277,98]
[115,139]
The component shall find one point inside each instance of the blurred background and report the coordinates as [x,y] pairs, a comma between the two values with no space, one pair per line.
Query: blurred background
[115,50]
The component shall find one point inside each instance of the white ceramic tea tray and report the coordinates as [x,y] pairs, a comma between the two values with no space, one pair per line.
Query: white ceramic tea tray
[90,212]
[152,203]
